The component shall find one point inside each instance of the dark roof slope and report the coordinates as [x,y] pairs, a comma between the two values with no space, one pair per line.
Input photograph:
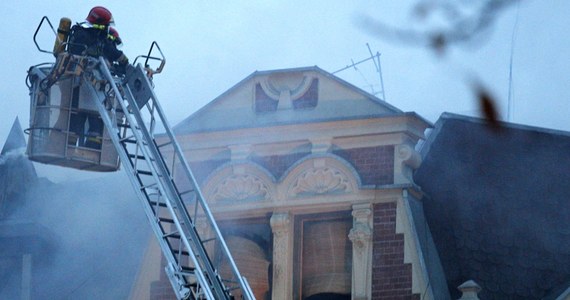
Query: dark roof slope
[498,206]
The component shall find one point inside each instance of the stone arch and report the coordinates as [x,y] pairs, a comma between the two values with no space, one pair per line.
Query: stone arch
[239,182]
[320,175]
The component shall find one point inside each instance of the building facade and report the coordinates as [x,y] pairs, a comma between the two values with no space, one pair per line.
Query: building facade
[310,181]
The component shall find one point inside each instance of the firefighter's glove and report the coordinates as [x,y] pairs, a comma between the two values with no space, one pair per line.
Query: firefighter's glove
[122,60]
[121,65]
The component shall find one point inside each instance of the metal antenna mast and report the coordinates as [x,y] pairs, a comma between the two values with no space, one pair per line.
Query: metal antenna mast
[376,59]
[511,101]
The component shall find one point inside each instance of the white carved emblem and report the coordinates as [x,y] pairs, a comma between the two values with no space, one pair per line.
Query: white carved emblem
[241,187]
[320,181]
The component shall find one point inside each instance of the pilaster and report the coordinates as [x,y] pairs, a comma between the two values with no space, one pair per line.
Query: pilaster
[282,228]
[361,237]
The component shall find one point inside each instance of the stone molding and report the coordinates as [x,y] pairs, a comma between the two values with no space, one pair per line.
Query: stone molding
[361,237]
[281,226]
[313,176]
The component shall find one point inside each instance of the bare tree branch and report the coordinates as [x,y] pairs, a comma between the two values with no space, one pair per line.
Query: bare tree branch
[463,20]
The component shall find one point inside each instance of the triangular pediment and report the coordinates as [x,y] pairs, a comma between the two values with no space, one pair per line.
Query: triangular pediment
[278,97]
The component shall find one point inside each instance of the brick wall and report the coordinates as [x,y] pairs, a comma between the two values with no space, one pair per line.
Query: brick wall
[375,165]
[278,164]
[391,277]
[264,103]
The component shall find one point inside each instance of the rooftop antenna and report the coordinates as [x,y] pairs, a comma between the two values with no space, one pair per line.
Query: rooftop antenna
[511,101]
[376,59]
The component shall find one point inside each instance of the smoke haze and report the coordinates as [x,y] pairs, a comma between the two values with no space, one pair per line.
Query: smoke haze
[95,233]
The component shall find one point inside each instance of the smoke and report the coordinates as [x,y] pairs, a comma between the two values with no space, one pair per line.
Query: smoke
[11,155]
[93,235]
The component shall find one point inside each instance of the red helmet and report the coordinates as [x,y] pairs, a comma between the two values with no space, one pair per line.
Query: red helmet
[114,36]
[99,15]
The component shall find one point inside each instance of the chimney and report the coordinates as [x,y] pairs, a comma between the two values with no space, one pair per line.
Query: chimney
[469,289]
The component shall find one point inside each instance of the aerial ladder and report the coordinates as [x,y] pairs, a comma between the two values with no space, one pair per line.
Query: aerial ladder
[198,262]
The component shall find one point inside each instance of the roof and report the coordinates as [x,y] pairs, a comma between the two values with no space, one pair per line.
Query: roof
[15,139]
[497,206]
[17,173]
[236,107]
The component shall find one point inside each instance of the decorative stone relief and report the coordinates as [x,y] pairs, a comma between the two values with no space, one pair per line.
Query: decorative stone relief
[320,181]
[296,84]
[241,187]
[406,160]
[286,87]
[282,256]
[361,237]
[409,156]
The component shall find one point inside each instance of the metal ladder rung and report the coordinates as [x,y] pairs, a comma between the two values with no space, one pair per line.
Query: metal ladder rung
[157,203]
[231,288]
[142,157]
[187,270]
[129,139]
[230,281]
[209,240]
[142,172]
[166,220]
[149,186]
[164,144]
[187,192]
[183,252]
[172,235]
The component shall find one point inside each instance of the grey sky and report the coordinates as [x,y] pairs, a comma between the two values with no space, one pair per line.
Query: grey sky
[212,45]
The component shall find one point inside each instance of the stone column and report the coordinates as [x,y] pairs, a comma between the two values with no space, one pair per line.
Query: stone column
[282,228]
[361,237]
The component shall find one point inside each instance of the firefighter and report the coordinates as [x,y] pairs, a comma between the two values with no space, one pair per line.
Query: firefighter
[91,37]
[114,37]
[116,42]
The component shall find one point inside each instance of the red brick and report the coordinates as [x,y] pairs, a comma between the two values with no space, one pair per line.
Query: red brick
[375,165]
[391,277]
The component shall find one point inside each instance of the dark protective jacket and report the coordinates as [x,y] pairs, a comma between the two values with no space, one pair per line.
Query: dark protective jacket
[86,40]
